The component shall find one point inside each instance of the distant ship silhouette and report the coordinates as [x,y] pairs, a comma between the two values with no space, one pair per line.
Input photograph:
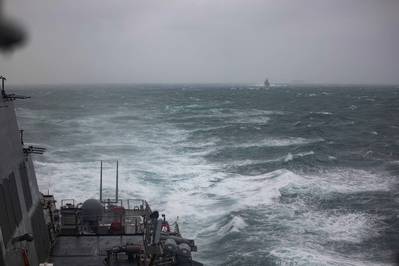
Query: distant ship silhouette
[267,84]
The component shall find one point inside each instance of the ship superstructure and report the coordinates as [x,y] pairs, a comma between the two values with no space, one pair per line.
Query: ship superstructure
[24,235]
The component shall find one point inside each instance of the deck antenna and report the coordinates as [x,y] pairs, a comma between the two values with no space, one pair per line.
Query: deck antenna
[21,132]
[3,92]
[116,189]
[101,181]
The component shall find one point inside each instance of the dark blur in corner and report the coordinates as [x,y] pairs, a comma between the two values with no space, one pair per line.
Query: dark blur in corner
[12,35]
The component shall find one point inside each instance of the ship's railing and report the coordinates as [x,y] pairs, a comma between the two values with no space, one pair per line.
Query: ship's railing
[118,217]
[66,203]
[131,204]
[135,204]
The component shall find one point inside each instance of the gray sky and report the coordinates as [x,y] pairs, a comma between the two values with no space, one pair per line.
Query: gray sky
[124,41]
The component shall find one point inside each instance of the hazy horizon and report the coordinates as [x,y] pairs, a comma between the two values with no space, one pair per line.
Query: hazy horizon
[11,85]
[205,42]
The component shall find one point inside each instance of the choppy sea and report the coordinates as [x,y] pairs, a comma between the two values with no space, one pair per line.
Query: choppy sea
[285,176]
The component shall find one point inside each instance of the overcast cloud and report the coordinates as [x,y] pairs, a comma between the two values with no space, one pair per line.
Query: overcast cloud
[134,41]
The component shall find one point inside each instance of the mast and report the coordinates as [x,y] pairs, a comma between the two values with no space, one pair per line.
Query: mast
[3,92]
[101,180]
[117,185]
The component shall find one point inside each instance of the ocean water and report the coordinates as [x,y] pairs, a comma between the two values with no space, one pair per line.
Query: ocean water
[286,176]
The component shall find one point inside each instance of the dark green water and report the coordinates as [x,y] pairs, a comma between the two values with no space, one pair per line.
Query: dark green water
[288,176]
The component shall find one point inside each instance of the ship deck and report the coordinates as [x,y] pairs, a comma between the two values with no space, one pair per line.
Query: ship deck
[89,250]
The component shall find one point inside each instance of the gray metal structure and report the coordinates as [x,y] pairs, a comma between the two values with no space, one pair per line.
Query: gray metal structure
[21,211]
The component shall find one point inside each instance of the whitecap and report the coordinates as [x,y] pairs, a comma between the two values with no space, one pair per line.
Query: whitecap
[236,224]
[313,257]
[348,180]
[322,113]
[256,190]
[289,157]
[279,142]
[252,120]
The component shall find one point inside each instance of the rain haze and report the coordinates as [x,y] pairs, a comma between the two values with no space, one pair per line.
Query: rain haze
[205,41]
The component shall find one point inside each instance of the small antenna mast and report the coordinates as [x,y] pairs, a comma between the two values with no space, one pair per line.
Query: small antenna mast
[116,189]
[21,132]
[3,92]
[101,181]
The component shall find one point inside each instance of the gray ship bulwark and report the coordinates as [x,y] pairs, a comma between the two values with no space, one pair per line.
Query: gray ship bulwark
[21,212]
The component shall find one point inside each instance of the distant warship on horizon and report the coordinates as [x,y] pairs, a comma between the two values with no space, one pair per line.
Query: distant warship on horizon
[266,84]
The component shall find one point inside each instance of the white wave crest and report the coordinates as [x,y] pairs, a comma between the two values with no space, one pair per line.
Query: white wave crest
[236,224]
[280,142]
[256,190]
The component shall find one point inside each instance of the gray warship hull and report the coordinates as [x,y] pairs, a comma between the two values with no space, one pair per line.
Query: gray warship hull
[20,199]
